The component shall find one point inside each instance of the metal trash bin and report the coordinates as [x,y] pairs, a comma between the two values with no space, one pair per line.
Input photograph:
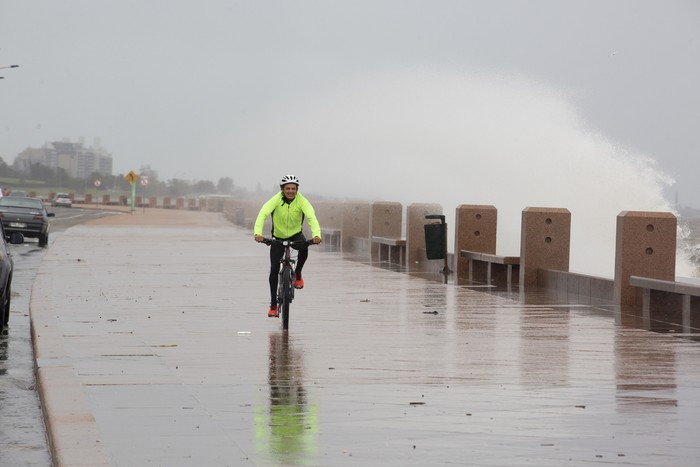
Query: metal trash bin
[436,238]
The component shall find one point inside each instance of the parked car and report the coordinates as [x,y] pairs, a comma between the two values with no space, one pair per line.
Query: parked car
[27,216]
[62,199]
[6,268]
[17,193]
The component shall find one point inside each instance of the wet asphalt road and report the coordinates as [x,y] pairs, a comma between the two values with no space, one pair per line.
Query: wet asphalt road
[22,431]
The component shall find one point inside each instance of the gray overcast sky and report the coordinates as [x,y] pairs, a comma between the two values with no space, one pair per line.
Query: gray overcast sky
[327,90]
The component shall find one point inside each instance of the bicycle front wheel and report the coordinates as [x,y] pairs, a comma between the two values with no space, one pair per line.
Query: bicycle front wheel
[285,298]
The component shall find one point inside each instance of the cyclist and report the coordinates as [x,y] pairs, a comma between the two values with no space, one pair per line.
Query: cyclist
[288,209]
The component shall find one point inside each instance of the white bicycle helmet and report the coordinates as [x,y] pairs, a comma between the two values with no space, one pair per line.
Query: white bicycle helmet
[289,179]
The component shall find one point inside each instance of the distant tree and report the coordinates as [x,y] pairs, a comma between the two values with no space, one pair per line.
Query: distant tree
[225,186]
[41,172]
[60,178]
[113,182]
[241,192]
[178,187]
[6,170]
[204,187]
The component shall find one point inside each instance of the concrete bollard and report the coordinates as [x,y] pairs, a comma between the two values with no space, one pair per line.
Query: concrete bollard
[330,217]
[180,203]
[238,210]
[354,224]
[229,210]
[646,247]
[475,230]
[328,214]
[105,200]
[88,198]
[209,204]
[545,242]
[152,202]
[416,260]
[251,208]
[385,220]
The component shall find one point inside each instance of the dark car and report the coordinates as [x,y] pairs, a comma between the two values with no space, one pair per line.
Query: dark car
[6,267]
[27,216]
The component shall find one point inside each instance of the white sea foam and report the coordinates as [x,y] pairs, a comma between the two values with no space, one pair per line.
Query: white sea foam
[466,138]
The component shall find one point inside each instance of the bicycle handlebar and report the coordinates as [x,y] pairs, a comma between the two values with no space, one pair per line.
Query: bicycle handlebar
[269,241]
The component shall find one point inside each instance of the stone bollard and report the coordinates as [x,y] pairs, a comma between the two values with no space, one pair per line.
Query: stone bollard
[355,224]
[208,204]
[167,202]
[385,220]
[88,198]
[191,204]
[327,214]
[475,230]
[152,202]
[229,209]
[330,217]
[105,200]
[545,241]
[251,208]
[646,247]
[237,213]
[416,260]
[180,203]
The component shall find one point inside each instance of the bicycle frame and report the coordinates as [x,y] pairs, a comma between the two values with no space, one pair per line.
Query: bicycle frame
[285,283]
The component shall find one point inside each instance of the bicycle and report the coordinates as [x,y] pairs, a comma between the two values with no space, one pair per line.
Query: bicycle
[285,283]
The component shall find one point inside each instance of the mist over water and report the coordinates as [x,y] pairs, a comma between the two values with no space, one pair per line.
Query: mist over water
[464,138]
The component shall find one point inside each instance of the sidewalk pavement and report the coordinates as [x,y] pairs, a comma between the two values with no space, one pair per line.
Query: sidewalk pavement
[153,348]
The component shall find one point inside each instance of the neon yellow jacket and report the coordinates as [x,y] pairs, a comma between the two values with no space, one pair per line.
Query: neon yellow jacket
[287,217]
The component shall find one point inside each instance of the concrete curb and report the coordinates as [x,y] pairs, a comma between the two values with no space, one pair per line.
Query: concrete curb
[74,439]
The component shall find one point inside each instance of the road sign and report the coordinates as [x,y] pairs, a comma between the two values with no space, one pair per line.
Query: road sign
[131,177]
[144,180]
[97,183]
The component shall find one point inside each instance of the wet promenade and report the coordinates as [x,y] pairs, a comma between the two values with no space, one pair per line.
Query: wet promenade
[154,349]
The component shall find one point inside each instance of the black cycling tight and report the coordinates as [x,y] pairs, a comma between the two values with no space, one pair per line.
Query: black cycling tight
[276,254]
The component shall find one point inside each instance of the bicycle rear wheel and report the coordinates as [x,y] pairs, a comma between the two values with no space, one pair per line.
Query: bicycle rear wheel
[285,296]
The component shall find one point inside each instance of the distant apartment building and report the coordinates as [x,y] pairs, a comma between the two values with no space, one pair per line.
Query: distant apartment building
[77,160]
